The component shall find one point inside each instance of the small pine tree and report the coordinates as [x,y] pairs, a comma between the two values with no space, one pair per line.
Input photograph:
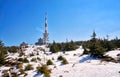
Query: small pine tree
[2,53]
[96,50]
[2,58]
[1,44]
[93,35]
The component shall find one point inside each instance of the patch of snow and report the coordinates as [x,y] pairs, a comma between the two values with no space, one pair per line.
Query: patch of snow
[113,53]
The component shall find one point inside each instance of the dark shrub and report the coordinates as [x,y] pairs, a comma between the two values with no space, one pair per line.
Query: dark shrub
[26,60]
[29,67]
[49,62]
[44,70]
[21,54]
[32,54]
[38,59]
[60,58]
[21,59]
[64,61]
[21,71]
[108,59]
[34,60]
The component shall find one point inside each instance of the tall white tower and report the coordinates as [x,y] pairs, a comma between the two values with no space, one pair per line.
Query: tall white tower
[45,34]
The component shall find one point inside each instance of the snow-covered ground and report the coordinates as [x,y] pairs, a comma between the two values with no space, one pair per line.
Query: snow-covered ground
[87,70]
[113,54]
[79,65]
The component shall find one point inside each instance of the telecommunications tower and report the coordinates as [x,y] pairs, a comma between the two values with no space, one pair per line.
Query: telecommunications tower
[45,34]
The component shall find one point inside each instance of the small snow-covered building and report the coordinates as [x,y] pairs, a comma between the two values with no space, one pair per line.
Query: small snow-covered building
[23,45]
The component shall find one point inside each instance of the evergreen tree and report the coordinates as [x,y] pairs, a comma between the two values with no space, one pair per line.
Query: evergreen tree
[54,48]
[2,58]
[70,46]
[96,49]
[116,42]
[86,51]
[13,49]
[2,53]
[107,44]
[1,44]
[93,35]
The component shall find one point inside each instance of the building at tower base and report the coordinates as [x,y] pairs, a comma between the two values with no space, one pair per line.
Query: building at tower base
[40,42]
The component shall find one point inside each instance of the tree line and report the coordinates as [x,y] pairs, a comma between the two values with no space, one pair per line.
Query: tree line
[68,46]
[95,47]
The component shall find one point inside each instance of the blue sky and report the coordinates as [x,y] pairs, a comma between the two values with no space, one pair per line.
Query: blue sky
[23,20]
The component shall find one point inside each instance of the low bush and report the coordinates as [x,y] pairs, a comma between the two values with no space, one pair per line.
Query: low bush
[60,58]
[37,53]
[38,59]
[34,60]
[29,67]
[108,59]
[118,59]
[24,60]
[49,62]
[19,65]
[21,71]
[64,61]
[14,74]
[44,70]
[21,54]
[21,59]
[32,54]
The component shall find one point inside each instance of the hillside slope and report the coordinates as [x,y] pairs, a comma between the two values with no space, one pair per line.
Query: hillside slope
[79,65]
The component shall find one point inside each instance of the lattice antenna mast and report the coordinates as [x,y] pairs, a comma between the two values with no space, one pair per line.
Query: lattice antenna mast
[45,34]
